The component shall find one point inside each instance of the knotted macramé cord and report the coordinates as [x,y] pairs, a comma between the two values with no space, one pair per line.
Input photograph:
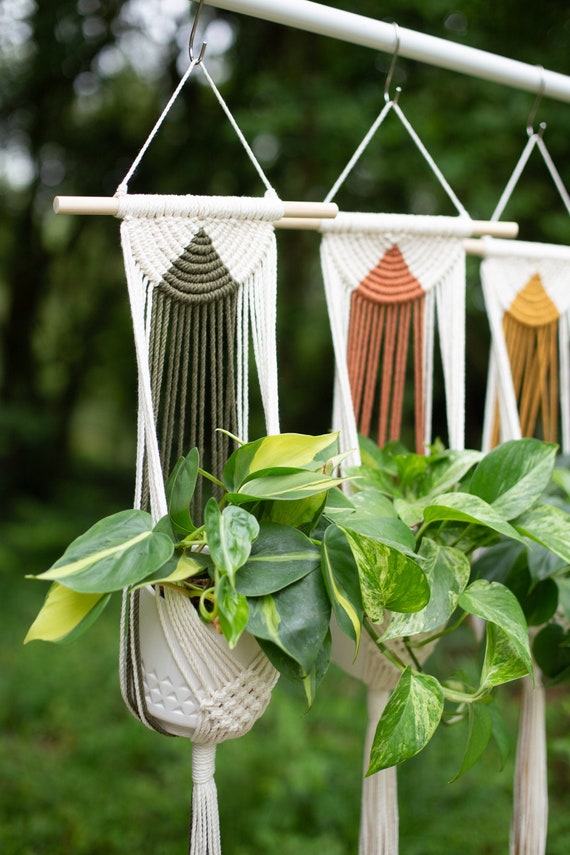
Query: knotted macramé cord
[513,355]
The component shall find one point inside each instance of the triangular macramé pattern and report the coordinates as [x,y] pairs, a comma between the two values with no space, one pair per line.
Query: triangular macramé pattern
[428,257]
[386,316]
[527,296]
[158,242]
[402,266]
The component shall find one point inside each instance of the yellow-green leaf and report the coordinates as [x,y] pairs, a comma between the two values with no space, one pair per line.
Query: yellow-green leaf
[63,613]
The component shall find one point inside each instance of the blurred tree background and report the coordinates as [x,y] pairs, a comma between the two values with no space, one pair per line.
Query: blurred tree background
[81,84]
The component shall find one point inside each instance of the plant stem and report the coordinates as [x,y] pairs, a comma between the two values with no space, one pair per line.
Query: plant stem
[211,478]
[389,654]
[437,635]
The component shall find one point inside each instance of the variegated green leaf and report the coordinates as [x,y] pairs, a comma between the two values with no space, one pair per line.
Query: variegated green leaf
[480,729]
[463,507]
[116,552]
[342,580]
[408,722]
[233,611]
[180,490]
[229,534]
[447,570]
[279,556]
[284,485]
[389,579]
[549,526]
[503,660]
[287,450]
[497,605]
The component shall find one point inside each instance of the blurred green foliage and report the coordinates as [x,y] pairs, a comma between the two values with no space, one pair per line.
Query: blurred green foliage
[82,82]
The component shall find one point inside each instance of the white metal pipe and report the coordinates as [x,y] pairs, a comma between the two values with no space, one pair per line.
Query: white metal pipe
[368,32]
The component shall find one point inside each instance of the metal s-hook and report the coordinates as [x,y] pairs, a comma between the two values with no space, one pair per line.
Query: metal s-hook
[193,36]
[535,106]
[392,67]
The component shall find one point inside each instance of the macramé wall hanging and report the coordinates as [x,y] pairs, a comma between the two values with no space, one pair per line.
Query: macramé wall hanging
[526,287]
[387,278]
[201,275]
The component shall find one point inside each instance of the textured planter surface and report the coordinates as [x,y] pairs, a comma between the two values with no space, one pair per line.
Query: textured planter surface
[171,697]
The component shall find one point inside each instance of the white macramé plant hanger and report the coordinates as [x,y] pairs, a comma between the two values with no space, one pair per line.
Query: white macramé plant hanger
[398,273]
[201,276]
[526,287]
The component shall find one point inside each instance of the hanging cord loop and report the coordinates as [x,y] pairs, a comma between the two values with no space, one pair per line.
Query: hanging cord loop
[122,189]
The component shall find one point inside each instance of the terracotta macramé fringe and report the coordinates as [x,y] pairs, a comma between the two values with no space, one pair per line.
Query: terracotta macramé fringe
[378,346]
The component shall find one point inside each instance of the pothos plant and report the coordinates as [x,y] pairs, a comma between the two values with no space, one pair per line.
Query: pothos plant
[286,543]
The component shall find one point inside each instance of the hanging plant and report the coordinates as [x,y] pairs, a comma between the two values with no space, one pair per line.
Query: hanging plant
[394,549]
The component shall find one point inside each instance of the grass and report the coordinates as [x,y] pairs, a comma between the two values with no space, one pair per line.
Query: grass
[81,777]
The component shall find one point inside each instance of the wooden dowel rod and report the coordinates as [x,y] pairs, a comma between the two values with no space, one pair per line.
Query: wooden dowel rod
[474,247]
[479,227]
[110,205]
[495,228]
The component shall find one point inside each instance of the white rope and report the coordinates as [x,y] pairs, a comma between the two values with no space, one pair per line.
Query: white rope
[359,152]
[122,189]
[533,140]
[379,820]
[392,225]
[429,339]
[450,303]
[500,367]
[123,186]
[530,814]
[554,173]
[513,180]
[393,105]
[268,207]
[430,161]
[205,828]
[236,128]
[564,345]
[136,290]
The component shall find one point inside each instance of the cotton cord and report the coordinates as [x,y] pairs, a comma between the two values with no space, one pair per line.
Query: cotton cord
[530,814]
[533,140]
[122,188]
[394,105]
[379,817]
[205,824]
[374,306]
[529,282]
[238,131]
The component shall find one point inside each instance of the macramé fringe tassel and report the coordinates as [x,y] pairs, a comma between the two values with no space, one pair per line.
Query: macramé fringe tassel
[379,812]
[205,825]
[530,808]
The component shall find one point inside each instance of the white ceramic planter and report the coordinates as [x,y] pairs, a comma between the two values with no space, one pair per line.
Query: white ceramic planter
[173,698]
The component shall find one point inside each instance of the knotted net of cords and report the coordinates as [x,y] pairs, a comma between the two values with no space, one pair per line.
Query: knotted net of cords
[387,278]
[526,287]
[201,276]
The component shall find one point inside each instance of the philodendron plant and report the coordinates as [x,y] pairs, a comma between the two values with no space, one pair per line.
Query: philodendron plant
[287,542]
